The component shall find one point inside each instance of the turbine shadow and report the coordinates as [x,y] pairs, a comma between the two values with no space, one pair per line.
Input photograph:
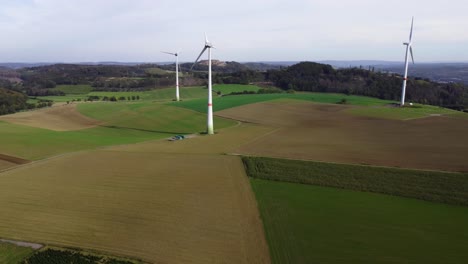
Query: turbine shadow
[145,130]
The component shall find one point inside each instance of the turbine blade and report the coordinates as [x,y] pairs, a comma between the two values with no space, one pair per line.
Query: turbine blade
[169,53]
[411,52]
[206,38]
[201,53]
[411,32]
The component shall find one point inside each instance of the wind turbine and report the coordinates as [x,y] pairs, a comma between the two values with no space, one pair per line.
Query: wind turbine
[208,47]
[410,49]
[177,72]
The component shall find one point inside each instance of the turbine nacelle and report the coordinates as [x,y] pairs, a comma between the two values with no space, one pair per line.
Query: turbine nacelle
[208,45]
[171,53]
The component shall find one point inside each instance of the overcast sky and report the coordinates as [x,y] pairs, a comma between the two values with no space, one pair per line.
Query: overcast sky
[254,30]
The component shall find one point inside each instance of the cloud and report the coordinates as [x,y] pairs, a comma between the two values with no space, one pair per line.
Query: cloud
[124,30]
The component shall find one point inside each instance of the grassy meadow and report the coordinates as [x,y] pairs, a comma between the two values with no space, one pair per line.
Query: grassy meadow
[11,254]
[75,92]
[123,124]
[313,224]
[225,102]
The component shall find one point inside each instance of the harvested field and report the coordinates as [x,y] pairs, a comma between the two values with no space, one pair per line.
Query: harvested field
[325,132]
[150,200]
[59,118]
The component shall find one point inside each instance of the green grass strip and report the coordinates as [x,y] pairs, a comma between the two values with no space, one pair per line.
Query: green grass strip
[11,254]
[443,187]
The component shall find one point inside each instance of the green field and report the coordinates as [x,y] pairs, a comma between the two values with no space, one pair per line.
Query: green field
[404,113]
[11,254]
[311,224]
[445,187]
[225,102]
[75,92]
[124,124]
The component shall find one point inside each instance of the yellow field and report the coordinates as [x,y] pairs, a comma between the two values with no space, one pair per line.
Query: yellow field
[63,117]
[161,201]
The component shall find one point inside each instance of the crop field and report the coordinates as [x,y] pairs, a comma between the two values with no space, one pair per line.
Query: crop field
[444,187]
[326,132]
[312,224]
[11,254]
[159,207]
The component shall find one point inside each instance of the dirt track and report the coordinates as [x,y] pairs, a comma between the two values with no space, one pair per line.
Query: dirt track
[59,118]
[327,133]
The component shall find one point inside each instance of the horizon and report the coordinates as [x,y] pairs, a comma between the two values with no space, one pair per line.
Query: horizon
[259,61]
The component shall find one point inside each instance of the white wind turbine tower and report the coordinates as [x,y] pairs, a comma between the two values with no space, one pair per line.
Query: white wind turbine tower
[208,47]
[410,49]
[177,72]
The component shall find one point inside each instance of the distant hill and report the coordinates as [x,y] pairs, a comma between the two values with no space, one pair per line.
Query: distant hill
[438,72]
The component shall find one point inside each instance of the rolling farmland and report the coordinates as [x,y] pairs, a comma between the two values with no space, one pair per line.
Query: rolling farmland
[119,189]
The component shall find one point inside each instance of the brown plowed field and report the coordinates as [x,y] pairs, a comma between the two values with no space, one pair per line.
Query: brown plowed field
[161,201]
[327,133]
[59,118]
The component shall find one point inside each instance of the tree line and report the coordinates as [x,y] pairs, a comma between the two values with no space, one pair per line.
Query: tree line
[304,76]
[315,77]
